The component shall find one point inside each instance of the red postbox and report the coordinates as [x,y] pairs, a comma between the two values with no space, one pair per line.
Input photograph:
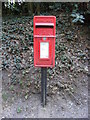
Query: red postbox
[44,41]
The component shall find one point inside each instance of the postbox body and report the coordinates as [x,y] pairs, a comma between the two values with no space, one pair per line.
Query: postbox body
[44,41]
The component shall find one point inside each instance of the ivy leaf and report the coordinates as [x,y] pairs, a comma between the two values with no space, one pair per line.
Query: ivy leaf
[81,21]
[73,15]
[26,96]
[81,17]
[19,110]
[75,20]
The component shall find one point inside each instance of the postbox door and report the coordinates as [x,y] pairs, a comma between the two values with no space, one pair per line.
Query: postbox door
[45,51]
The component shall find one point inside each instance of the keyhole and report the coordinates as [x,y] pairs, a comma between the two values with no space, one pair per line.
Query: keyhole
[44,38]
